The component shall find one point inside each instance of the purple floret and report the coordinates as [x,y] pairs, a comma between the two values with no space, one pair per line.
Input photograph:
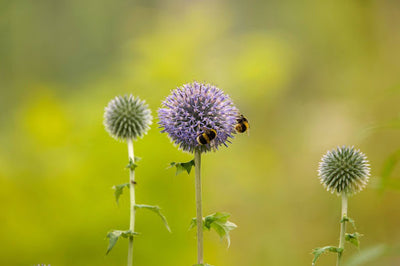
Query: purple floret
[190,109]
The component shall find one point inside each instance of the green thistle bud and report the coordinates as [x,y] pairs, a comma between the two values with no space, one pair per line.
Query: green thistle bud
[127,117]
[344,170]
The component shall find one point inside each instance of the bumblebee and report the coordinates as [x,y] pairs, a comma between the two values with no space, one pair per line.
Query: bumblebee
[207,136]
[242,124]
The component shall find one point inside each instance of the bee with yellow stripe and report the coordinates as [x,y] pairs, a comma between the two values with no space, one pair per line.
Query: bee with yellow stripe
[206,136]
[242,125]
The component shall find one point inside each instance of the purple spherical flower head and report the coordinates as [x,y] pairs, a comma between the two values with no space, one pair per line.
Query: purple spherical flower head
[191,109]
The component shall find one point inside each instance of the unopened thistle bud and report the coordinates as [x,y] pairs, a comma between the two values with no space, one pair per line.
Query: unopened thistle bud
[344,170]
[127,117]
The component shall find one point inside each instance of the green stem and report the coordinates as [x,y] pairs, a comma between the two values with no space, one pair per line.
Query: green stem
[342,229]
[132,200]
[199,214]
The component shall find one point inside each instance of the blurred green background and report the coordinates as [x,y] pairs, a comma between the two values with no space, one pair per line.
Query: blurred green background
[309,75]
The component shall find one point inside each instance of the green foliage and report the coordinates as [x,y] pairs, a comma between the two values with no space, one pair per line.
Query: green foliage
[353,238]
[181,167]
[348,219]
[219,222]
[114,235]
[156,210]
[132,165]
[119,190]
[319,251]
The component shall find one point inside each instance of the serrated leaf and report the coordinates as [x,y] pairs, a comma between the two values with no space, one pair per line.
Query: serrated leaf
[221,217]
[182,167]
[193,223]
[114,235]
[119,190]
[348,219]
[131,165]
[219,222]
[156,210]
[319,251]
[353,238]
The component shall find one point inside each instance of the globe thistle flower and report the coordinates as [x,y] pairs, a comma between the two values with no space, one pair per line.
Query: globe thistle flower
[344,170]
[127,117]
[193,108]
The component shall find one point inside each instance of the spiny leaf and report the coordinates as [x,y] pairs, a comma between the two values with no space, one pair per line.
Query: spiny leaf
[319,251]
[118,191]
[348,219]
[156,210]
[181,167]
[219,222]
[131,165]
[221,217]
[115,234]
[353,238]
[193,223]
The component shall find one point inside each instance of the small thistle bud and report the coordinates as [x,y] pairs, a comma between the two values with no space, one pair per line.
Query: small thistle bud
[344,170]
[196,108]
[127,117]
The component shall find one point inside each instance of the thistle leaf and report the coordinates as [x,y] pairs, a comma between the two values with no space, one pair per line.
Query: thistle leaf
[193,223]
[219,222]
[114,235]
[319,251]
[131,165]
[348,219]
[182,167]
[118,191]
[156,210]
[353,238]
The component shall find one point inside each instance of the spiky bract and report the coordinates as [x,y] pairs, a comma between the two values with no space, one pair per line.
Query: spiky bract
[127,117]
[191,109]
[344,170]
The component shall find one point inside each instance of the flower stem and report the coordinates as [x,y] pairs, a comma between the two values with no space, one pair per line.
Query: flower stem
[132,200]
[199,214]
[342,228]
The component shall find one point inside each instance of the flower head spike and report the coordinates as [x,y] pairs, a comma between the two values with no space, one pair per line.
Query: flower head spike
[127,117]
[193,109]
[344,170]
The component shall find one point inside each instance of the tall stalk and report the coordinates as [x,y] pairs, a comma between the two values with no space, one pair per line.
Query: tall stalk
[199,211]
[342,229]
[132,200]
[343,171]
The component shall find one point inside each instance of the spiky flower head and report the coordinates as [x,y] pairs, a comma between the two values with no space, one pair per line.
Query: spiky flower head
[344,170]
[127,117]
[192,109]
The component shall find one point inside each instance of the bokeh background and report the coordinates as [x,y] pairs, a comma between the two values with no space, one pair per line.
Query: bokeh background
[309,75]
